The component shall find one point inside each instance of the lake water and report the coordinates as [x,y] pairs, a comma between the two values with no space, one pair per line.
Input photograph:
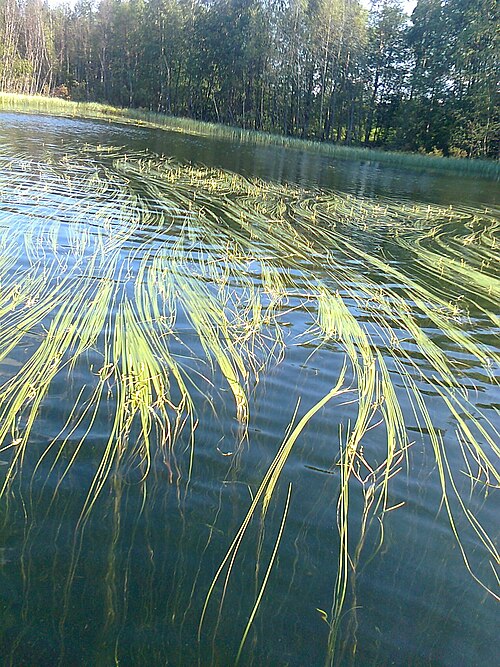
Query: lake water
[173,310]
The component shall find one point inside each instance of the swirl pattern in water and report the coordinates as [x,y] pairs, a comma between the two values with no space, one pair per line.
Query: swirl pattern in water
[223,401]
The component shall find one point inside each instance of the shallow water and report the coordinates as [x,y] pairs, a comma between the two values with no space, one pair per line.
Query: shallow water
[119,573]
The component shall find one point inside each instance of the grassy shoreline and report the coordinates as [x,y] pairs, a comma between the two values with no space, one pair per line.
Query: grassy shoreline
[57,106]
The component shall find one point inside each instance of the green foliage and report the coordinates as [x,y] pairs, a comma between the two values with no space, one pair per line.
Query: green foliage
[327,70]
[433,161]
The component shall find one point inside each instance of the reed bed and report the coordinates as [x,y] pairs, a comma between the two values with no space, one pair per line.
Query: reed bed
[51,105]
[141,249]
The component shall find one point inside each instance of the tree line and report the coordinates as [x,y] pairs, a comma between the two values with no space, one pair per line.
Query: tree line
[321,69]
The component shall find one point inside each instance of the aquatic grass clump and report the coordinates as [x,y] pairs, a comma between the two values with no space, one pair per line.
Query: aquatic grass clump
[189,284]
[51,105]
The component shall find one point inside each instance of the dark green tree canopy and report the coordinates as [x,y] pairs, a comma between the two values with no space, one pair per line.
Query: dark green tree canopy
[324,69]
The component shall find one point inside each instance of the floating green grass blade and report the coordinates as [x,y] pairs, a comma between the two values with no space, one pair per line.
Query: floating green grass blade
[187,282]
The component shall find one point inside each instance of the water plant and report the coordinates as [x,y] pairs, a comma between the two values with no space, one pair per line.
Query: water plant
[179,280]
[419,162]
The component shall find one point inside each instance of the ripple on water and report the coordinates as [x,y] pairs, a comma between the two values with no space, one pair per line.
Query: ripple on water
[142,300]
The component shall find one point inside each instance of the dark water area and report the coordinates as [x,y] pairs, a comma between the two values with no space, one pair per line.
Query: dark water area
[361,178]
[111,542]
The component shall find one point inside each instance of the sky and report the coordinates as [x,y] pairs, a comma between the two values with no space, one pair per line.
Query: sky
[408,5]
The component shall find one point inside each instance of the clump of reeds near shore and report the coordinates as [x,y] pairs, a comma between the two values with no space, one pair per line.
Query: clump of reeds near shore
[227,255]
[53,105]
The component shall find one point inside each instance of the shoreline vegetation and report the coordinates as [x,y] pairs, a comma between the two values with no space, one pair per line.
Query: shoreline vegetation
[95,110]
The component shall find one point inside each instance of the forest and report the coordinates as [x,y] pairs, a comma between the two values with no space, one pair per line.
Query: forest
[328,70]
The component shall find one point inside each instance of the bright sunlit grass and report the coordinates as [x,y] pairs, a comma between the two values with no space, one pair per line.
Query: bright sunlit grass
[170,243]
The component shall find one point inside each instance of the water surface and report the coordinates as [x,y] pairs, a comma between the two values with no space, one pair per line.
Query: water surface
[110,540]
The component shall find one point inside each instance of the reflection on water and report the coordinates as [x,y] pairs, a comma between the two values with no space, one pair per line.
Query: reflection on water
[363,179]
[169,335]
